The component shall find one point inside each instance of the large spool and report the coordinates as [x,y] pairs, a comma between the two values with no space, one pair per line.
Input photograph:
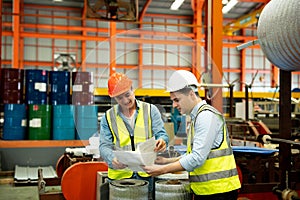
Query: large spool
[278,33]
[172,189]
[128,189]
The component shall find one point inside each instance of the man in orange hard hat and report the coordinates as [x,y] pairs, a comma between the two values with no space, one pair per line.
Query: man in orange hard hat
[127,124]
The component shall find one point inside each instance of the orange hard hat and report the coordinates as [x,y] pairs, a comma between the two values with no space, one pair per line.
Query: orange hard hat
[118,83]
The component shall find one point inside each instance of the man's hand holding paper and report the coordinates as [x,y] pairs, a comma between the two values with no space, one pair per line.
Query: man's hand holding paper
[118,165]
[160,145]
[144,155]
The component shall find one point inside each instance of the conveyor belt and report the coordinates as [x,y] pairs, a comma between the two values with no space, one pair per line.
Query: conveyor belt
[255,150]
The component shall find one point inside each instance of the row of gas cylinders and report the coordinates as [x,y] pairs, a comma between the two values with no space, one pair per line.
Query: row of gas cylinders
[45,122]
[35,86]
[138,189]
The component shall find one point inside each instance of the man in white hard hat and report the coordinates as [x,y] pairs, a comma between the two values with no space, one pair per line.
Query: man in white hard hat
[209,158]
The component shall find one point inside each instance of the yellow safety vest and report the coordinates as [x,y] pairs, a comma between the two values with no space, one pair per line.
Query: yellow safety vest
[218,174]
[121,136]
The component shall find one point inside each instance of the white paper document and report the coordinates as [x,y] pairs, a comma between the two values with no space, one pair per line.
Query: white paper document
[144,155]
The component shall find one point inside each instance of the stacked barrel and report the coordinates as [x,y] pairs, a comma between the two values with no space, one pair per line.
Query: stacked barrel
[86,113]
[39,111]
[14,109]
[63,112]
[83,88]
[37,105]
[12,86]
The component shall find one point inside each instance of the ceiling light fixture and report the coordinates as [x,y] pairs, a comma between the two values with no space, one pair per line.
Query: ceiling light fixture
[176,4]
[229,6]
[224,2]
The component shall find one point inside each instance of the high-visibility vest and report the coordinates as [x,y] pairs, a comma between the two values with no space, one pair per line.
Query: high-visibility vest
[121,136]
[218,174]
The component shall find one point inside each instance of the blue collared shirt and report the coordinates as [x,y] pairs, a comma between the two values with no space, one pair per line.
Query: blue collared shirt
[106,138]
[208,135]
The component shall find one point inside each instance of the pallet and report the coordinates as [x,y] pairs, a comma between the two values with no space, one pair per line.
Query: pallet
[6,177]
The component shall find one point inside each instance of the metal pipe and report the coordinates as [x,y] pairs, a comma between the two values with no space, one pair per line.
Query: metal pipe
[266,139]
[231,100]
[246,102]
[214,85]
[247,44]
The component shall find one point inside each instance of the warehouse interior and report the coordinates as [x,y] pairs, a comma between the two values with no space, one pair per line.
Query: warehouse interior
[244,53]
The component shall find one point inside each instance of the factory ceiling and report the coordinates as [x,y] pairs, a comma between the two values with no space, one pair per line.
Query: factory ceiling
[242,8]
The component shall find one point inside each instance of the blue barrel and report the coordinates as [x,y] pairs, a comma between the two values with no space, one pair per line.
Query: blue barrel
[36,86]
[63,127]
[59,82]
[14,126]
[86,121]
[39,117]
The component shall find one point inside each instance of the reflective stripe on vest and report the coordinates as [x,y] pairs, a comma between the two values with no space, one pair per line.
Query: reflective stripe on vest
[219,153]
[121,136]
[213,176]
[218,174]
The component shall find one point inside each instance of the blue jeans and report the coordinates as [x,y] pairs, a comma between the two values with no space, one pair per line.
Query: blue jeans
[232,195]
[149,179]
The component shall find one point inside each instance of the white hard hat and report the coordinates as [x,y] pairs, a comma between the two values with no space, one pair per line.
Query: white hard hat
[181,79]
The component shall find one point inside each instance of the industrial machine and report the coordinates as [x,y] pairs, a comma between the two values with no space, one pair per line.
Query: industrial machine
[280,51]
[77,178]
[113,9]
[259,170]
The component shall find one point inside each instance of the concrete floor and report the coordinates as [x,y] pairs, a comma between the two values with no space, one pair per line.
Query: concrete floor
[11,192]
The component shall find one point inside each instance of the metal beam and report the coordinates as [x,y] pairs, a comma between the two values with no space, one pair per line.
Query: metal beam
[242,22]
[213,47]
[144,10]
[243,73]
[84,33]
[1,35]
[285,124]
[255,1]
[112,50]
[275,73]
[197,6]
[16,34]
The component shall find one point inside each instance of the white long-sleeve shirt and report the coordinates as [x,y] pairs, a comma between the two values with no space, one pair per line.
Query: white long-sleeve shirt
[208,135]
